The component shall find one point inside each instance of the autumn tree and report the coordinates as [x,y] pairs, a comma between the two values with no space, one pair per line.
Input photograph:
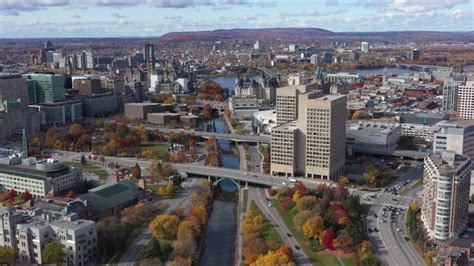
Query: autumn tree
[306,203]
[371,174]
[188,229]
[429,255]
[27,196]
[366,248]
[313,227]
[83,160]
[273,258]
[136,171]
[327,239]
[344,242]
[186,247]
[8,255]
[414,206]
[344,181]
[164,226]
[53,253]
[201,212]
[300,218]
[11,195]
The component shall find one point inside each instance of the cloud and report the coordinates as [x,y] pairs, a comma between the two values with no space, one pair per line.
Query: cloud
[420,6]
[14,7]
[117,15]
[77,16]
[332,3]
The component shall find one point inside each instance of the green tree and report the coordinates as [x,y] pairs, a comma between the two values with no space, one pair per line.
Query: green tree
[8,255]
[53,253]
[83,160]
[151,250]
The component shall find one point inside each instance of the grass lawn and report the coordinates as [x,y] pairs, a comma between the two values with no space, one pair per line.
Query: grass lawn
[268,230]
[98,170]
[162,148]
[246,198]
[317,258]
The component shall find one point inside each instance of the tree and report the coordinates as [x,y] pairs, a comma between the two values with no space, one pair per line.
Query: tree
[188,229]
[164,226]
[8,255]
[313,227]
[366,248]
[300,218]
[344,181]
[306,203]
[53,253]
[27,196]
[83,160]
[371,174]
[327,239]
[136,171]
[70,194]
[151,250]
[296,196]
[11,195]
[36,141]
[273,258]
[344,242]
[429,255]
[186,247]
[201,212]
[414,206]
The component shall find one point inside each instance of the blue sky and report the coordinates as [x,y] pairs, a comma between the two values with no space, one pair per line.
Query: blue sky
[120,18]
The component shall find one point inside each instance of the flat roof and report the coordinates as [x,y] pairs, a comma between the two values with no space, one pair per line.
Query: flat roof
[32,172]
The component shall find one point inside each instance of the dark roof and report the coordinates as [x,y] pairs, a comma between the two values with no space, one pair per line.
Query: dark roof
[111,195]
[32,172]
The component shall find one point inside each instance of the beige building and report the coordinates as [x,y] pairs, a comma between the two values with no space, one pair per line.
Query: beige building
[466,101]
[445,194]
[163,118]
[287,101]
[141,110]
[312,143]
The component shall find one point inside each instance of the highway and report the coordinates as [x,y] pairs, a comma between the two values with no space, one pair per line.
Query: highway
[228,136]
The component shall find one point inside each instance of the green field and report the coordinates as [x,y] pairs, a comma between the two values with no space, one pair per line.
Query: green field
[98,170]
[268,231]
[161,148]
[317,258]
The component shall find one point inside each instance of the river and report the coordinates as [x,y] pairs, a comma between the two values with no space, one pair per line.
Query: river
[222,225]
[229,81]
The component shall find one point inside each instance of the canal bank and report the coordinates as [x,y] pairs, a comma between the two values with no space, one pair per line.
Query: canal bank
[220,242]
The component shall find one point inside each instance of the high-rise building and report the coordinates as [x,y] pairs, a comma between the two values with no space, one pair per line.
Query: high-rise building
[307,141]
[48,47]
[414,54]
[364,47]
[293,48]
[15,115]
[148,52]
[458,137]
[466,100]
[45,88]
[445,195]
[315,59]
[256,45]
[88,86]
[450,95]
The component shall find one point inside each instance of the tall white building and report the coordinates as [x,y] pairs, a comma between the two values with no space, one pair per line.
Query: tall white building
[445,195]
[256,45]
[466,100]
[364,47]
[450,95]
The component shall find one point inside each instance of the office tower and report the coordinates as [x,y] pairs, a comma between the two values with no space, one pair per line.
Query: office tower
[89,59]
[45,88]
[287,101]
[307,141]
[315,59]
[444,211]
[148,52]
[327,57]
[48,46]
[114,84]
[15,115]
[293,48]
[364,47]
[256,45]
[87,86]
[450,95]
[414,54]
[466,100]
[455,136]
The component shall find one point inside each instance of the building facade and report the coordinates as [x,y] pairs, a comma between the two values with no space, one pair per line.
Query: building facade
[445,194]
[287,101]
[450,95]
[60,113]
[45,88]
[466,100]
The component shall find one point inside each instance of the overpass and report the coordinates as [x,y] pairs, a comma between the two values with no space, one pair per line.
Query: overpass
[204,134]
[387,151]
[422,67]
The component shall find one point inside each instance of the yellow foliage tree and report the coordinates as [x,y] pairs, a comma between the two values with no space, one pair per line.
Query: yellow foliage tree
[313,227]
[429,255]
[164,226]
[414,207]
[366,248]
[187,229]
[344,181]
[296,197]
[201,212]
[273,258]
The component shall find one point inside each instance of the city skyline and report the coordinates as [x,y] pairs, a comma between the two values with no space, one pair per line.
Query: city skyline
[148,18]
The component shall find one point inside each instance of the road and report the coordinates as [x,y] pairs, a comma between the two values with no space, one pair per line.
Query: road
[272,214]
[128,258]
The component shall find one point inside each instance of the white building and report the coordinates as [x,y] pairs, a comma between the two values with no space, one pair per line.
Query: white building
[342,77]
[256,45]
[370,133]
[445,195]
[31,230]
[364,47]
[39,178]
[466,100]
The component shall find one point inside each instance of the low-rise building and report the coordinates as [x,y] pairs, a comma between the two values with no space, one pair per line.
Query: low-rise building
[189,121]
[40,178]
[60,113]
[30,230]
[163,118]
[372,134]
[141,110]
[243,107]
[342,77]
[100,104]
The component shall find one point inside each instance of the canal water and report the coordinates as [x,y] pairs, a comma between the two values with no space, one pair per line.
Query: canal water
[222,224]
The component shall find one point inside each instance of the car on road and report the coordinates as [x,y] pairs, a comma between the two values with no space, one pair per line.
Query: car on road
[398,230]
[289,235]
[297,247]
[283,183]
[246,173]
[406,238]
[270,205]
[255,176]
[292,180]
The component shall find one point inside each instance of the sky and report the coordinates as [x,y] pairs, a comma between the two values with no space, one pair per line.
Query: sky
[142,18]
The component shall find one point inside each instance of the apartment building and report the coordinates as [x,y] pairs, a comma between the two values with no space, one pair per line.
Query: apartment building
[445,194]
[450,94]
[38,177]
[466,101]
[284,149]
[30,230]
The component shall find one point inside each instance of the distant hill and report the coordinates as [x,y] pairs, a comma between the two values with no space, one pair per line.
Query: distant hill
[245,34]
[290,33]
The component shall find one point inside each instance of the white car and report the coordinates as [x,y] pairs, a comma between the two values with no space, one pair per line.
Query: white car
[398,230]
[292,180]
[283,183]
